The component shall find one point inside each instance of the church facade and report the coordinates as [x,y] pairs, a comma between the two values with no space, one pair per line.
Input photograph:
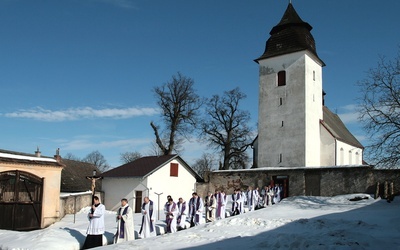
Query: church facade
[301,145]
[295,128]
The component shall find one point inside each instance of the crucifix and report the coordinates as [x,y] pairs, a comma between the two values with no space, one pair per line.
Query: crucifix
[93,178]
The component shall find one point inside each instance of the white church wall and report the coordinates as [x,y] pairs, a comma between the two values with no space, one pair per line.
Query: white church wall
[313,111]
[285,138]
[327,148]
[348,154]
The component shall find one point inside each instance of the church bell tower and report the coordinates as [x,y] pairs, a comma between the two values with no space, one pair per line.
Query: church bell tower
[290,96]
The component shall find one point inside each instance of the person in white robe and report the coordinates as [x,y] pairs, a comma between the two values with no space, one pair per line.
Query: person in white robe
[171,216]
[183,210]
[252,199]
[125,228]
[277,194]
[196,207]
[96,228]
[211,206]
[237,202]
[221,202]
[270,194]
[166,207]
[147,227]
[258,197]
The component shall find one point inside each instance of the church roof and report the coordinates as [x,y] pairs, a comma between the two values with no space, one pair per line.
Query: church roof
[144,166]
[290,35]
[336,127]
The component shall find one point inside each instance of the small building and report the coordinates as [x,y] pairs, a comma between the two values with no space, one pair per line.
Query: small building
[29,190]
[152,176]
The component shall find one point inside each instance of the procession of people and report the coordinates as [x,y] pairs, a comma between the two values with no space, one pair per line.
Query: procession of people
[179,215]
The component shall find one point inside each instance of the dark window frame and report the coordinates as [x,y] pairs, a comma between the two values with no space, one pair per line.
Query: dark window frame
[282,78]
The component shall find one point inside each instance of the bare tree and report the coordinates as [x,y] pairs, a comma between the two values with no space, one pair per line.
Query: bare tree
[70,156]
[154,150]
[129,156]
[380,112]
[204,164]
[225,128]
[179,106]
[97,159]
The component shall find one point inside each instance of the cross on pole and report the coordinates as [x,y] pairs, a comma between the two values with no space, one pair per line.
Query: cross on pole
[94,178]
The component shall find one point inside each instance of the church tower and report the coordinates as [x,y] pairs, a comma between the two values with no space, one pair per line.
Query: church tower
[290,96]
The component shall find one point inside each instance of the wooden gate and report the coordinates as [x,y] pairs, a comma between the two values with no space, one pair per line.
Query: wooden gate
[21,195]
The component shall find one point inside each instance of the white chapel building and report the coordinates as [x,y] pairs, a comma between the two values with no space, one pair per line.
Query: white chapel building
[295,129]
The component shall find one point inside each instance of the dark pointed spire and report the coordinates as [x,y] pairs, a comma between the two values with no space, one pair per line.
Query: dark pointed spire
[290,35]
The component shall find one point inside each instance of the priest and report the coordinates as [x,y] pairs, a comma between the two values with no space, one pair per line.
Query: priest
[125,229]
[147,227]
[95,229]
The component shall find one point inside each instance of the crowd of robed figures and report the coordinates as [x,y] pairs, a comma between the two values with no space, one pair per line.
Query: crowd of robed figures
[178,215]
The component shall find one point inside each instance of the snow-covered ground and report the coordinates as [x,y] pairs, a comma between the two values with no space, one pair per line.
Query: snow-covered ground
[295,223]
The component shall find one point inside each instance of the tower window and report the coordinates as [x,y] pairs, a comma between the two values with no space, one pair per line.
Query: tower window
[313,75]
[282,124]
[280,158]
[280,101]
[282,78]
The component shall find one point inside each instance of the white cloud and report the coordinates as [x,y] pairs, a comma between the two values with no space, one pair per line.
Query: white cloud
[71,114]
[350,114]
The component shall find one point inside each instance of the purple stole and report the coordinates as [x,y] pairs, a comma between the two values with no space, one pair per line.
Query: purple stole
[121,229]
[197,216]
[181,210]
[150,214]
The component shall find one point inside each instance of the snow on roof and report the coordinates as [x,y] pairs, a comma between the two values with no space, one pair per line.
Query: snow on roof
[25,157]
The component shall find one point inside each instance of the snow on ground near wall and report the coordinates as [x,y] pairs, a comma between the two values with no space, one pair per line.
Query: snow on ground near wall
[295,223]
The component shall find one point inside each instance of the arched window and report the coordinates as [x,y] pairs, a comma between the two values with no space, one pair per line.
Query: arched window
[282,78]
[357,158]
[350,158]
[341,157]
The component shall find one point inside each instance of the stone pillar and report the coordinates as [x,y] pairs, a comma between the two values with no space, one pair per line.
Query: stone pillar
[385,190]
[377,190]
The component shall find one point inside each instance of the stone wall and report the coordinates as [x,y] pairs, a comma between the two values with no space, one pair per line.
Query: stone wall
[75,202]
[324,181]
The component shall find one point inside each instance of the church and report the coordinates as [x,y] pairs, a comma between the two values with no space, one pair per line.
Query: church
[295,129]
[301,145]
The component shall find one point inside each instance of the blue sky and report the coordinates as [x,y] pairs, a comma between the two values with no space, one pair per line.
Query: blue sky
[78,74]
